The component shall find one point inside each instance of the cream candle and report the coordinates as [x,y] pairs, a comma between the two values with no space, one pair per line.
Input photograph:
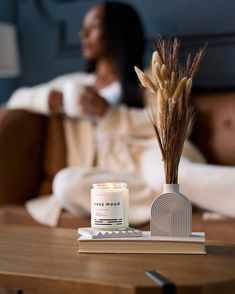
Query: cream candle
[109,205]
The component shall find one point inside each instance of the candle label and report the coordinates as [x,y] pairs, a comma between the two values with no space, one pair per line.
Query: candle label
[107,209]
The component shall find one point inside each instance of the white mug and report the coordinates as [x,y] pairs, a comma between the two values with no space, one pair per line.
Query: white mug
[71,92]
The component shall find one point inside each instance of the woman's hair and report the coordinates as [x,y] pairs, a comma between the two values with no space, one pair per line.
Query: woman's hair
[124,38]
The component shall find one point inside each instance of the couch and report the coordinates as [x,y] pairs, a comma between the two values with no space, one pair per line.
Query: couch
[32,150]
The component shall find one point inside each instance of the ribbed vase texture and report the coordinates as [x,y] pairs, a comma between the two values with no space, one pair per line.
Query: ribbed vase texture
[171,213]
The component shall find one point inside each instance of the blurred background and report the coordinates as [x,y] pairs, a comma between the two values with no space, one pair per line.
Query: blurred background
[45,33]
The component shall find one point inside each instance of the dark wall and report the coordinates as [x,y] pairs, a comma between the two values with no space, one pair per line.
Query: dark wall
[49,46]
[7,14]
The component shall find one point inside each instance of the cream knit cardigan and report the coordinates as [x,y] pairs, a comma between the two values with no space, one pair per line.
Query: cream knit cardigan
[124,148]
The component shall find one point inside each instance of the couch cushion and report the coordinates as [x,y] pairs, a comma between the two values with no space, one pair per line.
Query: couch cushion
[214,129]
[21,142]
[54,158]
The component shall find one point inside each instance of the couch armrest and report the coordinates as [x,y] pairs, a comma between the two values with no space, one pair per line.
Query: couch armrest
[21,146]
[214,129]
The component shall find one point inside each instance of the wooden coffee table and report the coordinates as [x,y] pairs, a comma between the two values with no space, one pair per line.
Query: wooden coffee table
[43,260]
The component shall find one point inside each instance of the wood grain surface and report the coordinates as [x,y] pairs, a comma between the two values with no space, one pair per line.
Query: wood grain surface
[45,260]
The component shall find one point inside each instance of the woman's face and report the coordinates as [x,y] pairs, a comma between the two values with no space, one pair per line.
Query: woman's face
[93,45]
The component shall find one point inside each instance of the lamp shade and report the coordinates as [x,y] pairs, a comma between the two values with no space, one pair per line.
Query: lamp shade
[9,58]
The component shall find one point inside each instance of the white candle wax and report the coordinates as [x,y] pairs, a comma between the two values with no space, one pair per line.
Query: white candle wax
[109,206]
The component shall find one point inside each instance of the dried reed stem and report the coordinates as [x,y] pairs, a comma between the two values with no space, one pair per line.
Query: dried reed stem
[173,114]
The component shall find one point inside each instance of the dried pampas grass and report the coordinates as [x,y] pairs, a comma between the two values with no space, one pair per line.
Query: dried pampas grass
[173,114]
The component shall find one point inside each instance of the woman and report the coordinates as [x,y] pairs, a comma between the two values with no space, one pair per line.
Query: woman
[109,147]
[112,42]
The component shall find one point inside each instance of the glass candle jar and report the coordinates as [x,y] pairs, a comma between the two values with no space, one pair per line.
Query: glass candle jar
[109,206]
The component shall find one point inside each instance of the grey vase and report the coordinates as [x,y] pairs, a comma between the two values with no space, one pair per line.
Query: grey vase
[171,213]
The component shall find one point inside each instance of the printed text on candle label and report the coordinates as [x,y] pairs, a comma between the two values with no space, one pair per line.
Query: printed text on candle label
[108,209]
[106,204]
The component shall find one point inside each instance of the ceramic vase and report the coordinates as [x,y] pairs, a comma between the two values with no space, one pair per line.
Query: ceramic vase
[171,213]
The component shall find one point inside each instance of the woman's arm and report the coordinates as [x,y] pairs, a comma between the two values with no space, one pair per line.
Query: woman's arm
[33,99]
[47,97]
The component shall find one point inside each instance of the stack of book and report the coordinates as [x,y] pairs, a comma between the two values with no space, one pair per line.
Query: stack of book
[136,241]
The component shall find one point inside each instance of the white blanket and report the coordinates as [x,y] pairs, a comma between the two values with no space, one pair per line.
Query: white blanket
[121,147]
[124,148]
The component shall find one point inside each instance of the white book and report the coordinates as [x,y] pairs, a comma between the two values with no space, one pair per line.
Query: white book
[195,244]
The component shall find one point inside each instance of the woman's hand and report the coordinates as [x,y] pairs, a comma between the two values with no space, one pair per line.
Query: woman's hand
[91,103]
[55,101]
